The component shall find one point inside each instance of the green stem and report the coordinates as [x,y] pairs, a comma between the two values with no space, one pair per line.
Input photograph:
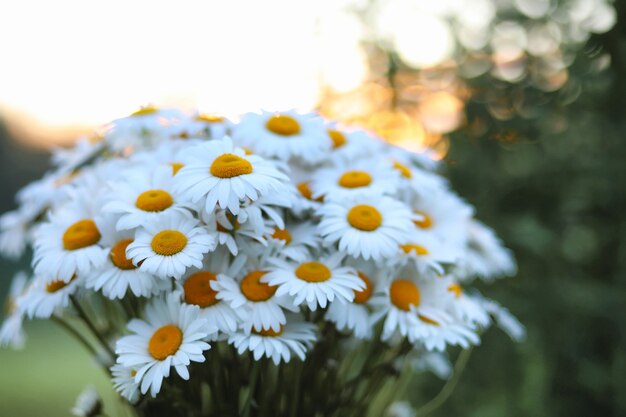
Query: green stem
[247,407]
[91,326]
[295,400]
[448,387]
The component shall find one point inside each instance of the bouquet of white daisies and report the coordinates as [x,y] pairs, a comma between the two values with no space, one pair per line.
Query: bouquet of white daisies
[280,265]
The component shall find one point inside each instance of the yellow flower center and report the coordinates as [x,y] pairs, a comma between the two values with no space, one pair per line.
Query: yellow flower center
[404,170]
[269,332]
[154,200]
[404,294]
[428,320]
[282,234]
[165,342]
[419,250]
[283,125]
[426,222]
[364,217]
[176,166]
[355,179]
[209,118]
[313,272]
[81,234]
[229,165]
[198,289]
[254,289]
[168,242]
[456,289]
[145,111]
[118,255]
[306,192]
[361,297]
[338,138]
[58,284]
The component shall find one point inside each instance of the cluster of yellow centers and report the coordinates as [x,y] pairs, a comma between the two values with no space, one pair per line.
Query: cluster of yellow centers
[198,289]
[405,171]
[313,272]
[283,125]
[365,218]
[118,255]
[81,234]
[338,138]
[165,342]
[419,250]
[154,200]
[282,234]
[168,242]
[269,332]
[426,222]
[58,284]
[362,296]
[255,290]
[355,179]
[404,294]
[230,165]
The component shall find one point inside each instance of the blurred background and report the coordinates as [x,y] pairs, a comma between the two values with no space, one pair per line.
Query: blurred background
[523,100]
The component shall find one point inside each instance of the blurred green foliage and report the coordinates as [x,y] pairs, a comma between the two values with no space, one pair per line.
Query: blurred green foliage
[555,191]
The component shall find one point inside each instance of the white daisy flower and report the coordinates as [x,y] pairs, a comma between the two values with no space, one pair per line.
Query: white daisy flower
[294,241]
[168,247]
[443,215]
[367,227]
[264,310]
[369,176]
[467,308]
[356,316]
[350,144]
[272,207]
[14,227]
[435,362]
[505,320]
[315,283]
[168,153]
[124,382]
[437,335]
[218,174]
[224,234]
[84,148]
[43,298]
[284,136]
[198,288]
[11,332]
[408,305]
[144,197]
[485,255]
[303,202]
[201,125]
[88,403]
[119,274]
[295,337]
[427,253]
[68,243]
[170,336]
[142,129]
